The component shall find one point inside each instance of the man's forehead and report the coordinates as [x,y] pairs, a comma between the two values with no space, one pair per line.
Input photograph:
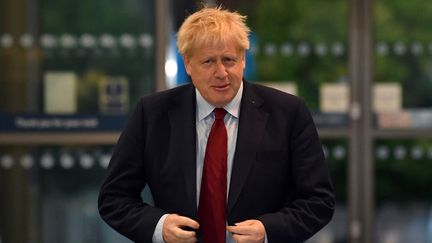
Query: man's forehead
[217,49]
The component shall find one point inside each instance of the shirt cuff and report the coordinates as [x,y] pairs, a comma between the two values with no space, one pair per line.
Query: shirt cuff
[157,234]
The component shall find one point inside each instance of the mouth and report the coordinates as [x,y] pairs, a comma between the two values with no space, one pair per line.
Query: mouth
[221,87]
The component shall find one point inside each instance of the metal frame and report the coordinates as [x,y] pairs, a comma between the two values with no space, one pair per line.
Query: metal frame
[161,32]
[360,167]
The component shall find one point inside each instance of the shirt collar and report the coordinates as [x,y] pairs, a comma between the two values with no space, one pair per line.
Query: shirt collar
[204,108]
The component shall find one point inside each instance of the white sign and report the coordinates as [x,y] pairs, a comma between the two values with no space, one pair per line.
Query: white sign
[334,98]
[60,93]
[387,97]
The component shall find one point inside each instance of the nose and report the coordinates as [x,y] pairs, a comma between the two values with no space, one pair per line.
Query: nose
[221,71]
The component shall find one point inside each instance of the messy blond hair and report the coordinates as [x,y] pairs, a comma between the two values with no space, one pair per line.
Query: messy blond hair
[212,26]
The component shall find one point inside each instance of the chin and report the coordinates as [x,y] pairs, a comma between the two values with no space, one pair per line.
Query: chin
[218,103]
[221,100]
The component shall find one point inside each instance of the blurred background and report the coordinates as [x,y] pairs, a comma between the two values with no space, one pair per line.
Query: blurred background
[70,72]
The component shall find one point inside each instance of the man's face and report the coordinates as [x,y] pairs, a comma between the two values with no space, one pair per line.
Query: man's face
[217,72]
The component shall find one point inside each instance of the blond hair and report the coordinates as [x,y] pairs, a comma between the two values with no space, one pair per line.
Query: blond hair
[212,26]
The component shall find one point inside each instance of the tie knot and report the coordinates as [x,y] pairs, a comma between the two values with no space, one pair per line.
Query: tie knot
[219,113]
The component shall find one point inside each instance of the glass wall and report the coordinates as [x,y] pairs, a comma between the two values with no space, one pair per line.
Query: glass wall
[70,72]
[99,55]
[403,200]
[50,194]
[403,102]
[108,47]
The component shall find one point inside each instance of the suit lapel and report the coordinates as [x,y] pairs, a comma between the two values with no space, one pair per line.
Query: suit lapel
[182,122]
[250,131]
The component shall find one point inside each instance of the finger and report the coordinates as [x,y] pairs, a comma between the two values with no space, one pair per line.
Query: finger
[173,229]
[248,227]
[188,222]
[185,234]
[241,230]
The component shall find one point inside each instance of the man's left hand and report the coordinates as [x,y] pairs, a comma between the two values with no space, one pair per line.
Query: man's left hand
[249,231]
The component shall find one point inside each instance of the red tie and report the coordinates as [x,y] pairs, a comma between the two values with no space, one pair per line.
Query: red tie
[212,203]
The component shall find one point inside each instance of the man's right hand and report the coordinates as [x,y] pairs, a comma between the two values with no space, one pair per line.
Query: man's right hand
[174,229]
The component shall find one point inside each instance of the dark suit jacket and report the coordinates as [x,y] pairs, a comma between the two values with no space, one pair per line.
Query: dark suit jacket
[279,173]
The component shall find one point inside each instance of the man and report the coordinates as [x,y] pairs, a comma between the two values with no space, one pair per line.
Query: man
[253,171]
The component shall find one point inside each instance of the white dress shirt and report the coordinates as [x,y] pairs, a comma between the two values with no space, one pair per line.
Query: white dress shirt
[204,121]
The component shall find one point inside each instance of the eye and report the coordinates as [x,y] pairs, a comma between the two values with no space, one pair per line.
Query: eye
[229,61]
[207,61]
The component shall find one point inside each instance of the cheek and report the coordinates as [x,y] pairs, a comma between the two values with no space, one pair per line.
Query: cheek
[199,83]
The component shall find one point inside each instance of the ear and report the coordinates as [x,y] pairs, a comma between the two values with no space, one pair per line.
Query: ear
[186,64]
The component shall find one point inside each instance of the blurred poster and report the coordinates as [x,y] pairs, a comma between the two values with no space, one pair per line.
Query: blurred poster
[402,119]
[60,92]
[114,95]
[334,98]
[387,97]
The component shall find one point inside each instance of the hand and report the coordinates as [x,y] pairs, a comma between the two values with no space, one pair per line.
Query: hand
[249,231]
[174,229]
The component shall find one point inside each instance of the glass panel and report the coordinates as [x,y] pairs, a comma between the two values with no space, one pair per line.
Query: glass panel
[41,184]
[402,64]
[109,47]
[303,42]
[77,56]
[66,66]
[403,171]
[402,100]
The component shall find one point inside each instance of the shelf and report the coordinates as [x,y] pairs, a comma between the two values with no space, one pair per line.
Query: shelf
[333,133]
[63,138]
[378,133]
[402,133]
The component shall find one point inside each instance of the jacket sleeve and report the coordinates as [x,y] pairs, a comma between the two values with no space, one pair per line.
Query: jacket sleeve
[120,203]
[310,206]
